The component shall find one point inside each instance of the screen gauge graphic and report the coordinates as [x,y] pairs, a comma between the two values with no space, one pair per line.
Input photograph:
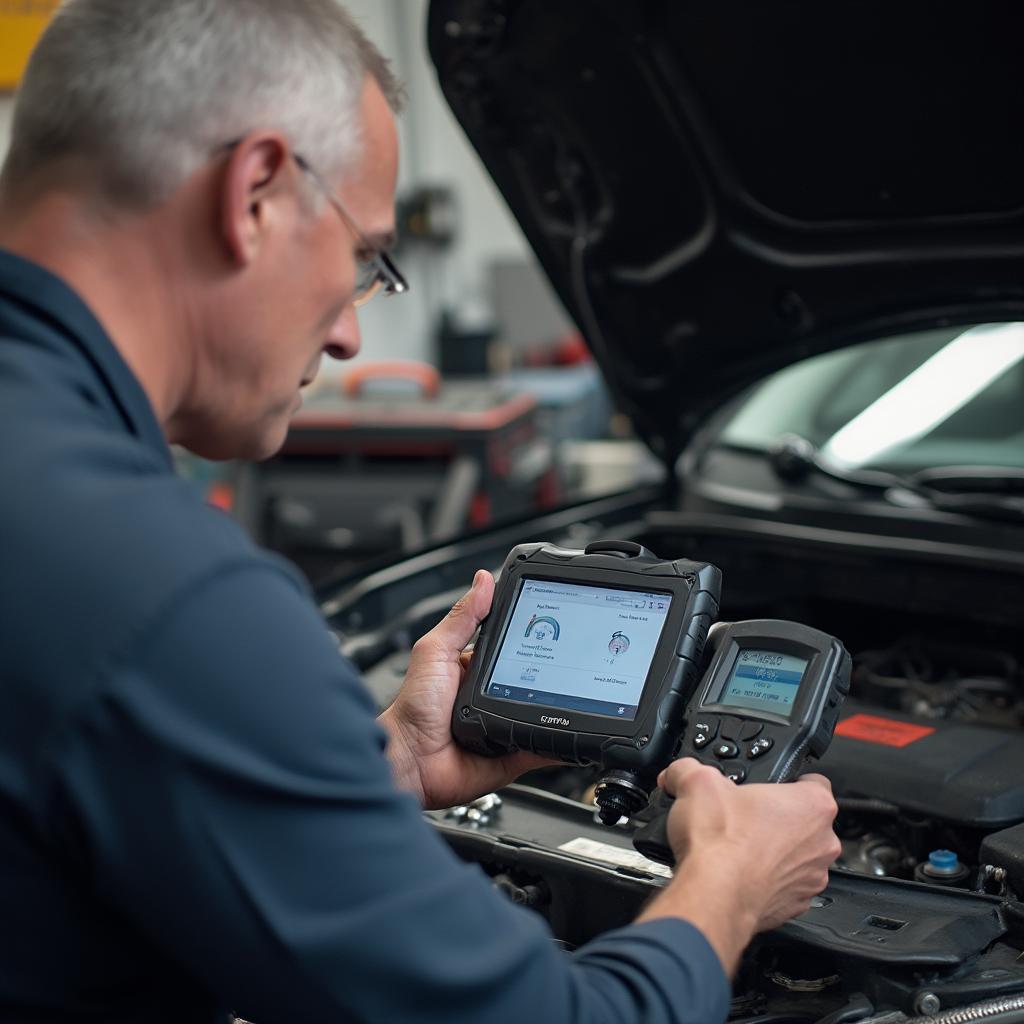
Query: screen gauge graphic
[543,627]
[618,644]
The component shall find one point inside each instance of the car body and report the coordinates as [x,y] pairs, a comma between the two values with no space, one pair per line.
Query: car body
[718,192]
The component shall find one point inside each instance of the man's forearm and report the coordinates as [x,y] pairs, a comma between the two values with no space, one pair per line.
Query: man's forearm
[700,894]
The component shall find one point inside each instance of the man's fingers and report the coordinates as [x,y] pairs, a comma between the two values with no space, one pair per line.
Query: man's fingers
[525,761]
[683,772]
[822,793]
[456,629]
[479,596]
[817,780]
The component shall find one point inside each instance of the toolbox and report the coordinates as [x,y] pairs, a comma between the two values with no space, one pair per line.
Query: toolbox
[391,458]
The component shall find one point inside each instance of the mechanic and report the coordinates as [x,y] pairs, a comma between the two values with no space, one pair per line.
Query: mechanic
[198,811]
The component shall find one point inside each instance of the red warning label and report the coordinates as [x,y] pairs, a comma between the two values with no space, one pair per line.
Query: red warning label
[887,731]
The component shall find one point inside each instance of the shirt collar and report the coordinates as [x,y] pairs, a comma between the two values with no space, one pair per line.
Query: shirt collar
[60,309]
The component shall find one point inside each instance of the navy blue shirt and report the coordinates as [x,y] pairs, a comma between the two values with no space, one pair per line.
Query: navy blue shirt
[196,811]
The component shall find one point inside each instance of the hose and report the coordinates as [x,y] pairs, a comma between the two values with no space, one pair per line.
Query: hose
[1005,1010]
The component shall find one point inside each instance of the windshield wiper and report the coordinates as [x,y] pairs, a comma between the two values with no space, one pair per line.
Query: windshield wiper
[987,492]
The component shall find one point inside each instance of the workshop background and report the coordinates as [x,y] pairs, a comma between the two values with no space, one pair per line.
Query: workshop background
[473,400]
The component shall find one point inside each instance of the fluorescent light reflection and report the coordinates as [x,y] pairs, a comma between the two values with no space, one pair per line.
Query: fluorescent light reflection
[937,389]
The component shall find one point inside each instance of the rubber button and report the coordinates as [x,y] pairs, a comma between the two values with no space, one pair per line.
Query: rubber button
[706,724]
[731,727]
[724,749]
[737,774]
[701,739]
[750,730]
[759,747]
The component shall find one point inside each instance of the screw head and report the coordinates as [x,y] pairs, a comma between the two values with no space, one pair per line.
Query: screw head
[927,1004]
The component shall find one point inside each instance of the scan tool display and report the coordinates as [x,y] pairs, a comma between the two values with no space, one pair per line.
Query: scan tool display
[579,648]
[764,680]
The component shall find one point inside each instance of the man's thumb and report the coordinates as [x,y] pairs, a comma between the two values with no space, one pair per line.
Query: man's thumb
[457,628]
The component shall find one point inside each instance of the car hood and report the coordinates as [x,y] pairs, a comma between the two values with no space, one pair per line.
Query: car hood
[719,189]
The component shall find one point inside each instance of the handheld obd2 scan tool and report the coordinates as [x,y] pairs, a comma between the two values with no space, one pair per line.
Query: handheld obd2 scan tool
[766,706]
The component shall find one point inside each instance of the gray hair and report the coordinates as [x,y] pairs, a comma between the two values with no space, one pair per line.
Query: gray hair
[145,91]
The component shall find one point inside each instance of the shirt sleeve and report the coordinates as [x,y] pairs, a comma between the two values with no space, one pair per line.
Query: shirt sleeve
[227,792]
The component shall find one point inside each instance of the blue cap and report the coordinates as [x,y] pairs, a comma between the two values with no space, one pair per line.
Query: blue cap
[944,861]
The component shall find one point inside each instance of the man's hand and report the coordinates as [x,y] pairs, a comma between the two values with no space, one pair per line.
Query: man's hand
[748,857]
[423,755]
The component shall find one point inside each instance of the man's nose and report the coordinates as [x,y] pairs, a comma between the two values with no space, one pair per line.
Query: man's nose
[344,338]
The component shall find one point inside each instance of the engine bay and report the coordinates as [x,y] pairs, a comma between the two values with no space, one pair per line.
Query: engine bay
[922,917]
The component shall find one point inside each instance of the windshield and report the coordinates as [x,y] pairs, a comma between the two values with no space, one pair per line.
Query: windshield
[949,397]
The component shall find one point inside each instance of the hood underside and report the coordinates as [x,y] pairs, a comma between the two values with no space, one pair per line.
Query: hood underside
[719,189]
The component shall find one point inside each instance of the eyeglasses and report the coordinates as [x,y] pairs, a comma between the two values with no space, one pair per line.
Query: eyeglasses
[375,273]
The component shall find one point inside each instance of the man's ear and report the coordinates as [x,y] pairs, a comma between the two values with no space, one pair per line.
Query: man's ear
[255,177]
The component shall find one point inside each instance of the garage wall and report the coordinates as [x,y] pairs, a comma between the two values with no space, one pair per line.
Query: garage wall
[433,152]
[6,111]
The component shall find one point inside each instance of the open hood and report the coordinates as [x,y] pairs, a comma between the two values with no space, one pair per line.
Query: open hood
[717,189]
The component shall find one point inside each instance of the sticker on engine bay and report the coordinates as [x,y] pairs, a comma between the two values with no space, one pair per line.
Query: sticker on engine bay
[615,855]
[890,732]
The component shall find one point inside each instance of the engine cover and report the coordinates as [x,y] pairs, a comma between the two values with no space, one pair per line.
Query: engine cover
[950,770]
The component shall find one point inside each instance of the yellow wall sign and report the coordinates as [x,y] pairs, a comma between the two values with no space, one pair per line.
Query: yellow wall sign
[21,24]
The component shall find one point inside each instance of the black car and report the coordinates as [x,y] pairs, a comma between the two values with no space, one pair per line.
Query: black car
[792,235]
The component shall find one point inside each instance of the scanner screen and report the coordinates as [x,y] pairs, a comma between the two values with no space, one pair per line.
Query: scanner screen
[577,647]
[764,680]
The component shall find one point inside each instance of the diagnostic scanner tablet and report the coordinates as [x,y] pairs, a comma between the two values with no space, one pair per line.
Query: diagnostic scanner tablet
[590,657]
[767,704]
